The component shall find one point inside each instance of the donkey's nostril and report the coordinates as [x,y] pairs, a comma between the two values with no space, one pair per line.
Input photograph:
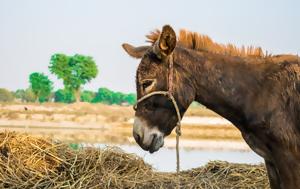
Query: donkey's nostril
[154,136]
[136,137]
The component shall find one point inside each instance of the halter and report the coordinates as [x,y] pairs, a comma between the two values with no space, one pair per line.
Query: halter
[169,95]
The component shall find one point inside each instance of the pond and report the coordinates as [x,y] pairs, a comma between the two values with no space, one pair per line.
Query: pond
[165,158]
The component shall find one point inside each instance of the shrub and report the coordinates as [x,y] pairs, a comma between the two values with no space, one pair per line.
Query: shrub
[6,96]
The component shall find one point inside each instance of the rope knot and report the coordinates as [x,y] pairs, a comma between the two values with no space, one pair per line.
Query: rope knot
[178,130]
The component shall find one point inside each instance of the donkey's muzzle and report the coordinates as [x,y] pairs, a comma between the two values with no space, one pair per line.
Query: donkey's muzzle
[150,139]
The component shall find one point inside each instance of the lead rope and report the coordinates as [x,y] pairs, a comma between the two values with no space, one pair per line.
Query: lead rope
[178,124]
[170,96]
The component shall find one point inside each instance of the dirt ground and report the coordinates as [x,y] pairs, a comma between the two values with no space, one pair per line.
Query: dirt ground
[99,123]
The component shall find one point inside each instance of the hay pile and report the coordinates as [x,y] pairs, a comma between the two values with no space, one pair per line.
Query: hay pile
[32,162]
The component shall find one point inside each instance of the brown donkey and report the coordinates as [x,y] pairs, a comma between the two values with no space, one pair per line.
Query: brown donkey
[258,93]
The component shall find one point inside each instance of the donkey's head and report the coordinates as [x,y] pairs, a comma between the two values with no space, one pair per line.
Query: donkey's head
[155,116]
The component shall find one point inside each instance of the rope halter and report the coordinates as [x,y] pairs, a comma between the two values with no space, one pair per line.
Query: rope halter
[169,95]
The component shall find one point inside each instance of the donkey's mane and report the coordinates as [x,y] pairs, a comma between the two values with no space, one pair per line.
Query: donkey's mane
[200,42]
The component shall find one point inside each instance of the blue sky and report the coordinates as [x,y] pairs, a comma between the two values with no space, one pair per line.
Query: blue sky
[32,30]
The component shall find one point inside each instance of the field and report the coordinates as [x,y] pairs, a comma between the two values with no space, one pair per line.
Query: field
[99,123]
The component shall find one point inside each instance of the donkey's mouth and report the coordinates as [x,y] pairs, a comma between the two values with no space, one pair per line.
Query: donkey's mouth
[149,138]
[157,143]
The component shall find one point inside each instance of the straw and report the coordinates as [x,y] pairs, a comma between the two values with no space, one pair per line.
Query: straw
[31,162]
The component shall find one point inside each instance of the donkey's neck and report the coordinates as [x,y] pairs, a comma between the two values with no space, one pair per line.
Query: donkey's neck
[221,83]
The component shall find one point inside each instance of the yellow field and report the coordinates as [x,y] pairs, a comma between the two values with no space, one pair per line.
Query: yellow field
[84,122]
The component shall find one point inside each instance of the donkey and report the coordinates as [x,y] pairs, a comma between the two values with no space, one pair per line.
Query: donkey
[258,93]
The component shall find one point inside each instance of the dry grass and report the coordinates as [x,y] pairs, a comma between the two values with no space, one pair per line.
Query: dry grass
[31,162]
[80,111]
[111,112]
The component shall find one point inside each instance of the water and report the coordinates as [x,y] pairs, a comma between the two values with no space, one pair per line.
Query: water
[165,159]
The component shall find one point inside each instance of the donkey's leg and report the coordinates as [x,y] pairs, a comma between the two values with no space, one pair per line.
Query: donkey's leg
[273,175]
[261,149]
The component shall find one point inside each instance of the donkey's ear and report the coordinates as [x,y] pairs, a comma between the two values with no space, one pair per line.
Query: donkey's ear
[136,52]
[167,40]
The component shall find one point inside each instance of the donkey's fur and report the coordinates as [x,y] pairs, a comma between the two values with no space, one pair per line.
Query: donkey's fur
[259,94]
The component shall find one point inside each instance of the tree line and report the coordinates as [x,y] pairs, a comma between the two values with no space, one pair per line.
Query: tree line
[103,95]
[74,71]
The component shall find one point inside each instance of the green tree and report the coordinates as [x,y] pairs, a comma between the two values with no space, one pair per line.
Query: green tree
[64,95]
[103,95]
[130,98]
[75,71]
[41,86]
[6,95]
[107,96]
[87,96]
[117,97]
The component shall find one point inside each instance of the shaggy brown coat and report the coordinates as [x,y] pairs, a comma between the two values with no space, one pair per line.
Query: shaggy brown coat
[257,92]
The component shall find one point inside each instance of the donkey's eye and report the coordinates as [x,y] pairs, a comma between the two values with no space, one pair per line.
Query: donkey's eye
[147,84]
